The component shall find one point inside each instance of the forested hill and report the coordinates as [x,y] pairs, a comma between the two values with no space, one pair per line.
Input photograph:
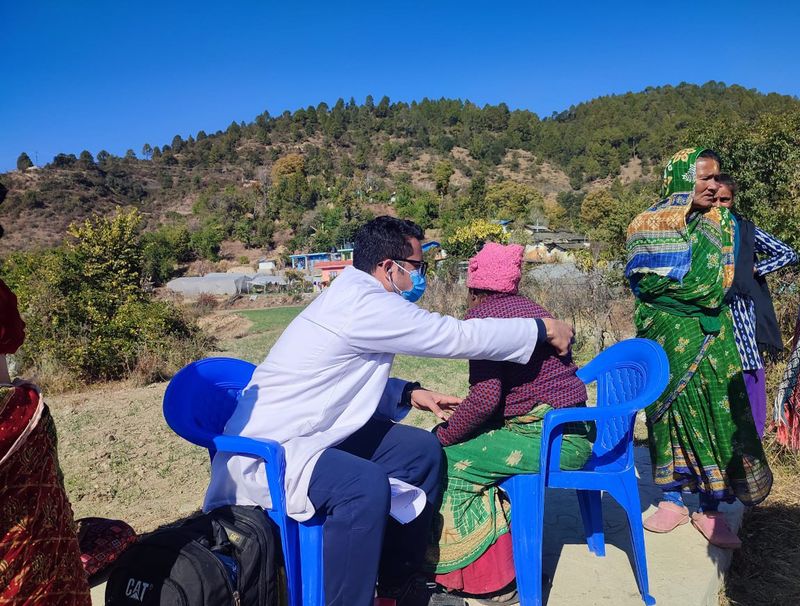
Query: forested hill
[306,178]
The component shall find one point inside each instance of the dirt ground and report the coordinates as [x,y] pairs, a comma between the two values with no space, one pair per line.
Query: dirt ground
[121,460]
[119,457]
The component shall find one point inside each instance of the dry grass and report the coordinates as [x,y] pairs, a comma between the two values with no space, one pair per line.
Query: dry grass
[766,571]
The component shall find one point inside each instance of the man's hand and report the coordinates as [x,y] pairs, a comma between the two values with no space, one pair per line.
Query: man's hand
[438,403]
[559,335]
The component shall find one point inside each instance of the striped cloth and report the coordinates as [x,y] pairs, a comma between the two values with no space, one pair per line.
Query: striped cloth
[776,255]
[657,239]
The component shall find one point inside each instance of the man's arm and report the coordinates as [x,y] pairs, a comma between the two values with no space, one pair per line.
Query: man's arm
[385,323]
[393,405]
[399,396]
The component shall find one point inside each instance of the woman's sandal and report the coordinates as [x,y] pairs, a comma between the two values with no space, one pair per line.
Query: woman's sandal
[668,517]
[714,527]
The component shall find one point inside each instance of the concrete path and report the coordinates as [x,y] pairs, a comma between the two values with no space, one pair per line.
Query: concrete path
[684,569]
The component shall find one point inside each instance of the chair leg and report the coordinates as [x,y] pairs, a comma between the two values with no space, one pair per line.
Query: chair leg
[526,536]
[590,502]
[290,546]
[311,564]
[629,499]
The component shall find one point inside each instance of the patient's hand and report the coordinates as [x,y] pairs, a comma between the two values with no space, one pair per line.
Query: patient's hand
[559,335]
[438,403]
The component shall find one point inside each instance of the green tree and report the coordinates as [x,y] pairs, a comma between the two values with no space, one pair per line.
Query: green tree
[513,200]
[474,205]
[441,175]
[763,155]
[606,214]
[206,241]
[147,151]
[24,162]
[467,240]
[86,314]
[109,254]
[86,159]
[422,207]
[289,164]
[158,258]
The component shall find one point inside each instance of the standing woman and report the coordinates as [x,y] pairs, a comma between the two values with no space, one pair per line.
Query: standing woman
[701,432]
[39,555]
[754,323]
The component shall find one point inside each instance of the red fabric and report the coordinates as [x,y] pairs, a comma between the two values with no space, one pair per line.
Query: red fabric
[12,328]
[788,434]
[39,557]
[490,573]
[102,541]
[512,389]
[15,414]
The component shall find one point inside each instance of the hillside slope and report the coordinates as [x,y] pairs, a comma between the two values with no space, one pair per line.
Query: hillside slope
[370,150]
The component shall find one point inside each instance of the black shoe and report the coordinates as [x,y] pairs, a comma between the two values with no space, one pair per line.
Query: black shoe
[507,596]
[417,591]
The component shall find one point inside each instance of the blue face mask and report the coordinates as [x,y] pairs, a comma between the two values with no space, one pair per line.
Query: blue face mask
[418,285]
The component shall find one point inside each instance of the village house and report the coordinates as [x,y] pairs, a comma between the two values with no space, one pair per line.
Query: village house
[330,269]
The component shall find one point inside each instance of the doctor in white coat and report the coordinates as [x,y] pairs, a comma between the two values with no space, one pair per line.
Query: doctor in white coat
[324,393]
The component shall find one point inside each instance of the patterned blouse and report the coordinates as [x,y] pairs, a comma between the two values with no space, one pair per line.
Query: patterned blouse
[506,389]
[743,309]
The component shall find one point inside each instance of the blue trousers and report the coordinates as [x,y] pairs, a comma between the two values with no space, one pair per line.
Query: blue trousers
[350,486]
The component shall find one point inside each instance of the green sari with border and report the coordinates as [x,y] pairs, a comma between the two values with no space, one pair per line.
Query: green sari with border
[473,515]
[701,432]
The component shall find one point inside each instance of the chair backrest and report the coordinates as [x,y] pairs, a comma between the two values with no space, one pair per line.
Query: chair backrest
[631,375]
[201,397]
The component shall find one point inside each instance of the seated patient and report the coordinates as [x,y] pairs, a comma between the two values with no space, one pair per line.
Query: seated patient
[495,433]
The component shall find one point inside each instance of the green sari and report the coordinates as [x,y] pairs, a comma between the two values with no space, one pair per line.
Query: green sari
[473,515]
[701,431]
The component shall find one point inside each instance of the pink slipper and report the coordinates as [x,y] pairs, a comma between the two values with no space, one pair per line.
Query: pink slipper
[668,517]
[714,527]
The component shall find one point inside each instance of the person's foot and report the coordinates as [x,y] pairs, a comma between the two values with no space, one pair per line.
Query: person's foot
[667,518]
[714,527]
[418,591]
[507,596]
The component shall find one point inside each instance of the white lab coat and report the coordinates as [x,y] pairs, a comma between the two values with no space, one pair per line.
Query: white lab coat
[328,374]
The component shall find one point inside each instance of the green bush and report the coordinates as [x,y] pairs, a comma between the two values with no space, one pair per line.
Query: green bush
[87,316]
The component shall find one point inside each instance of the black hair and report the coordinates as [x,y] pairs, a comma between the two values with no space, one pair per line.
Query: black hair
[710,153]
[728,181]
[481,292]
[383,238]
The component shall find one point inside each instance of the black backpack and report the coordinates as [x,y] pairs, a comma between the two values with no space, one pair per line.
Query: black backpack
[227,557]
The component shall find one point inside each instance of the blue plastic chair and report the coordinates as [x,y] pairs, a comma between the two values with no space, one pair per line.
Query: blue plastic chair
[630,375]
[198,402]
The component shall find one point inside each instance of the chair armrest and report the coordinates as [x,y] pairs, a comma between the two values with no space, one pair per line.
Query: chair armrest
[556,419]
[270,452]
[560,416]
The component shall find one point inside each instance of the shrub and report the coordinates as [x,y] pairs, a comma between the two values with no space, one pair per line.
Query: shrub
[445,296]
[87,316]
[469,239]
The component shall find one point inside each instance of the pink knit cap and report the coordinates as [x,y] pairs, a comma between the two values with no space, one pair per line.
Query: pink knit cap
[496,268]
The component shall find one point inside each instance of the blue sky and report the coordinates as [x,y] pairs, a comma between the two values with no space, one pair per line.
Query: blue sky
[115,75]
